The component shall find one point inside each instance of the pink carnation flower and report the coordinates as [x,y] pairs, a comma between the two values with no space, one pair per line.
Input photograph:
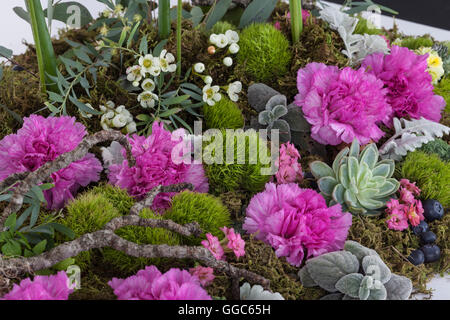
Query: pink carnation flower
[150,284]
[235,241]
[42,140]
[54,287]
[411,186]
[204,274]
[410,90]
[295,220]
[154,166]
[213,245]
[341,105]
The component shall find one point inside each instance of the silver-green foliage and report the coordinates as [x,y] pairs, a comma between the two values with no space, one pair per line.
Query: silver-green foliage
[357,273]
[358,181]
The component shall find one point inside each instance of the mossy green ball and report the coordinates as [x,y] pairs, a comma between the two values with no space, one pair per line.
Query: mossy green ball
[221,27]
[245,170]
[225,114]
[443,89]
[264,52]
[414,43]
[205,209]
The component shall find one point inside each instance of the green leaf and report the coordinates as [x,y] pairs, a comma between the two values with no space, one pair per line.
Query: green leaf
[369,155]
[133,32]
[327,185]
[169,112]
[217,12]
[55,97]
[5,52]
[62,13]
[63,229]
[11,222]
[63,265]
[12,248]
[196,15]
[1,73]
[40,247]
[144,118]
[377,294]
[38,193]
[82,55]
[175,100]
[257,11]
[83,106]
[349,284]
[159,48]
[375,267]
[143,47]
[22,13]
[320,169]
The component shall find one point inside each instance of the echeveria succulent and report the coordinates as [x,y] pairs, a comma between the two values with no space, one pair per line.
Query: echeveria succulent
[356,273]
[358,181]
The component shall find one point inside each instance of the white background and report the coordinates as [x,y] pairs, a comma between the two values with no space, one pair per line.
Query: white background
[14,31]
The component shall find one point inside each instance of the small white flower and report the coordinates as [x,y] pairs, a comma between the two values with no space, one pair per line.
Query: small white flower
[134,74]
[147,99]
[165,60]
[150,65]
[85,114]
[233,90]
[208,79]
[199,67]
[257,292]
[120,121]
[222,41]
[228,61]
[234,48]
[131,127]
[233,36]
[214,38]
[120,109]
[109,115]
[211,95]
[148,85]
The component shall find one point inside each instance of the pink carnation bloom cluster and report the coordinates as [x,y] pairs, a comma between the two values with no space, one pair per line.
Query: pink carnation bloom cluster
[235,243]
[296,222]
[154,166]
[406,209]
[341,105]
[54,287]
[410,90]
[42,140]
[289,169]
[151,284]
[204,274]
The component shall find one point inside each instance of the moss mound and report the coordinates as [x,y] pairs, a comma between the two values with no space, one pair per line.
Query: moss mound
[395,246]
[207,210]
[225,114]
[222,27]
[261,259]
[443,89]
[240,173]
[363,27]
[439,147]
[431,174]
[264,52]
[118,197]
[415,43]
[140,235]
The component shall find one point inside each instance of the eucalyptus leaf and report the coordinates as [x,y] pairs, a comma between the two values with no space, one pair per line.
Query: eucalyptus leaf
[217,12]
[257,11]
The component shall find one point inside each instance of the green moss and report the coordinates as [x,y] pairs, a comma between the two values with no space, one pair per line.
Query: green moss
[443,89]
[264,52]
[431,174]
[118,197]
[221,27]
[415,43]
[205,209]
[363,28]
[140,235]
[394,246]
[89,212]
[439,147]
[239,174]
[225,114]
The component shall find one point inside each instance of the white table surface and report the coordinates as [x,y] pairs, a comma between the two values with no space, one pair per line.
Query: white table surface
[14,31]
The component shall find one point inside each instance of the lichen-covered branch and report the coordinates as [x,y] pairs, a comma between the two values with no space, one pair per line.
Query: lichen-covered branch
[41,174]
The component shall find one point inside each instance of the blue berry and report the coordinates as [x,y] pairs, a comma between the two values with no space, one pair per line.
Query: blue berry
[428,237]
[433,210]
[416,257]
[420,228]
[431,252]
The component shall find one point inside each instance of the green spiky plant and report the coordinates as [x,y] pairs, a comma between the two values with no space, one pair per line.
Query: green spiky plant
[44,47]
[164,19]
[225,114]
[358,181]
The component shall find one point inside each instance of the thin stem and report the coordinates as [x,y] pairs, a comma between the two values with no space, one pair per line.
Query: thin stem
[164,19]
[179,13]
[295,7]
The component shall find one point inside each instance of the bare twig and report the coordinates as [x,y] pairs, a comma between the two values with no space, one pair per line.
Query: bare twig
[41,174]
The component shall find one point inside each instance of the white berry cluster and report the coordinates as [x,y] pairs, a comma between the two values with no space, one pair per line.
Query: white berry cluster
[117,118]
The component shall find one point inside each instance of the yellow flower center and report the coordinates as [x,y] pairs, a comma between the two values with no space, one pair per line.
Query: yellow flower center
[147,63]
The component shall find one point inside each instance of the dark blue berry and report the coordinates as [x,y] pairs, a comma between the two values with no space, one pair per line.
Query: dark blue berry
[18,68]
[416,257]
[420,228]
[431,252]
[428,237]
[433,210]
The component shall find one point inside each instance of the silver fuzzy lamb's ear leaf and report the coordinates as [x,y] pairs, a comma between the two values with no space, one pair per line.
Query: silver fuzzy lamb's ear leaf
[398,288]
[296,119]
[411,136]
[279,111]
[277,100]
[265,118]
[350,284]
[358,250]
[305,278]
[377,294]
[284,130]
[333,296]
[375,267]
[327,269]
[112,154]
